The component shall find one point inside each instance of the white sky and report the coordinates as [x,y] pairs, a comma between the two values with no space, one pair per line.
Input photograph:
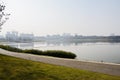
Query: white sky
[85,17]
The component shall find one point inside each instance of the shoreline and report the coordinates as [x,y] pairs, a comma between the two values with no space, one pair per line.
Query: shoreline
[110,63]
[99,62]
[101,67]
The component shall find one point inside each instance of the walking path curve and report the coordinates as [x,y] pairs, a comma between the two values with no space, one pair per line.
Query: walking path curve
[107,68]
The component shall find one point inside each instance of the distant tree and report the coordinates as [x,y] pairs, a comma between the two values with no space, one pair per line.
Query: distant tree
[3,16]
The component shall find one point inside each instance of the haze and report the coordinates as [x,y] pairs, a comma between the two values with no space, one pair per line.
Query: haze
[42,17]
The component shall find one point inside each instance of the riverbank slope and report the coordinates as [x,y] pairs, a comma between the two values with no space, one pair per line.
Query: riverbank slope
[112,69]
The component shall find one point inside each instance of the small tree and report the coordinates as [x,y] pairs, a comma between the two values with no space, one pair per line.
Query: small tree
[3,16]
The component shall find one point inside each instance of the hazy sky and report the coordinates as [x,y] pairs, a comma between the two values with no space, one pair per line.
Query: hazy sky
[85,17]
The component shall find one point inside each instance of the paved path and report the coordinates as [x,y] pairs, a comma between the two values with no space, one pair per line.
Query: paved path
[107,68]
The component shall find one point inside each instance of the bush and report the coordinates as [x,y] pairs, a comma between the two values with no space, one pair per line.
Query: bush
[59,53]
[9,48]
[54,53]
[33,51]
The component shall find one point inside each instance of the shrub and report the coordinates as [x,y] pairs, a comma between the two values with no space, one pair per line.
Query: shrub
[9,48]
[54,53]
[59,53]
[33,51]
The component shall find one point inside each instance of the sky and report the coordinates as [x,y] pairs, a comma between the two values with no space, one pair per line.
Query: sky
[84,17]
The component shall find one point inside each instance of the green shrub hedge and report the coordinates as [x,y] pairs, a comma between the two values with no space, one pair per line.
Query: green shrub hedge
[33,51]
[9,48]
[54,53]
[59,53]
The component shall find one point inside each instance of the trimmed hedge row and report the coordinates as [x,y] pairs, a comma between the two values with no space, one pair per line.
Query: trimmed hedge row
[54,53]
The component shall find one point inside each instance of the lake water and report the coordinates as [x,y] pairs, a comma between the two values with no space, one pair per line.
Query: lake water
[100,52]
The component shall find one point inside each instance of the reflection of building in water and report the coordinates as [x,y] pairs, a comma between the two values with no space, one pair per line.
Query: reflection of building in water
[26,37]
[21,45]
[26,45]
[14,45]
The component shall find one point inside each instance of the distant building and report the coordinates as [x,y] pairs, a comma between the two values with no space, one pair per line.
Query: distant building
[12,36]
[66,35]
[2,38]
[26,37]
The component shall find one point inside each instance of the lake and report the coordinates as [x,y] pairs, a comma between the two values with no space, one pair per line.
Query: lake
[100,52]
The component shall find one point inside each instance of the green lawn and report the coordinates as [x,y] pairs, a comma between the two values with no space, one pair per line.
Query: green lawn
[19,69]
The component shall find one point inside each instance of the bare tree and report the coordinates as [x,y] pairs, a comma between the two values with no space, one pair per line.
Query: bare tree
[3,16]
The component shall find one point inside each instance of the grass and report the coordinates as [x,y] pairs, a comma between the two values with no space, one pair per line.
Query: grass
[19,69]
[54,53]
